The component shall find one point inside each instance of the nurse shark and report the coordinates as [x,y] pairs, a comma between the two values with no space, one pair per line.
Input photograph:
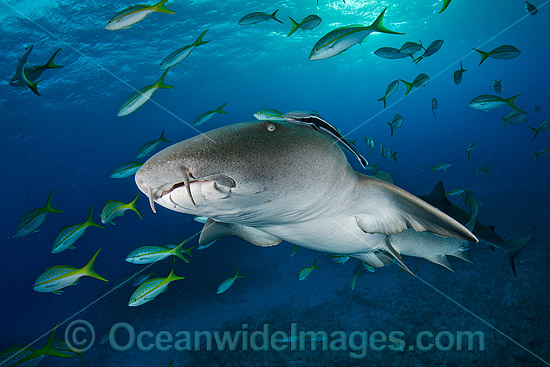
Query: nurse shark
[268,181]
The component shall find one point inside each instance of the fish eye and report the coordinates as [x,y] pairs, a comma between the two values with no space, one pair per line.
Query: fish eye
[270,127]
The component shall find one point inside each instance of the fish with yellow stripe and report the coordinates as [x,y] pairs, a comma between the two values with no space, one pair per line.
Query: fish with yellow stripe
[130,16]
[113,209]
[139,97]
[70,234]
[149,290]
[34,218]
[150,254]
[60,276]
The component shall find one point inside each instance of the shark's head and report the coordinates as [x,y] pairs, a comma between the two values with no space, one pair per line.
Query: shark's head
[247,170]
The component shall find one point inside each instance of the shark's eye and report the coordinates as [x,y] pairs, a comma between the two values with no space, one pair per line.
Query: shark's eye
[270,127]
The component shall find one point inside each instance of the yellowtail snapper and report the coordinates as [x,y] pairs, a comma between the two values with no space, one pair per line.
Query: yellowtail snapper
[441,166]
[339,258]
[354,280]
[293,250]
[457,76]
[138,98]
[33,72]
[434,105]
[497,86]
[226,284]
[258,17]
[430,50]
[444,6]
[542,153]
[70,234]
[504,52]
[181,53]
[34,218]
[21,72]
[127,169]
[149,290]
[309,22]
[305,272]
[62,346]
[472,147]
[269,115]
[420,81]
[390,53]
[150,146]
[396,123]
[515,118]
[483,170]
[113,209]
[340,39]
[544,126]
[390,91]
[205,116]
[530,8]
[134,14]
[488,102]
[58,277]
[150,254]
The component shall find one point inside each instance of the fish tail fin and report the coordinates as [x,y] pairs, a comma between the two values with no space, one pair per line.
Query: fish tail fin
[394,156]
[237,276]
[199,40]
[468,153]
[444,6]
[510,102]
[49,350]
[417,60]
[461,67]
[90,271]
[90,222]
[34,87]
[161,8]
[274,17]
[160,83]
[219,110]
[433,111]
[132,206]
[294,26]
[377,25]
[383,99]
[82,359]
[49,207]
[315,264]
[503,119]
[391,127]
[407,85]
[514,247]
[163,138]
[484,55]
[50,64]
[537,154]
[178,251]
[173,276]
[535,131]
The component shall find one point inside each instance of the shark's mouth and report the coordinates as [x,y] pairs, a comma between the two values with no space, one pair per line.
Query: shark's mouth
[218,180]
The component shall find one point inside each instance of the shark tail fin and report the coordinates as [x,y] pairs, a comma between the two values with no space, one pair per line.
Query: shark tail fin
[49,207]
[377,25]
[294,26]
[274,16]
[161,8]
[90,271]
[484,55]
[514,247]
[199,40]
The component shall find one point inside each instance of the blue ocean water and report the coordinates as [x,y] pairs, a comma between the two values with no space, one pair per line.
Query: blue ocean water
[70,140]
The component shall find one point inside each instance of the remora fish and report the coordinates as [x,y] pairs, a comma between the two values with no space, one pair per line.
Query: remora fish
[35,217]
[181,53]
[487,102]
[309,22]
[298,188]
[34,72]
[21,75]
[457,76]
[139,97]
[317,123]
[126,169]
[420,81]
[134,14]
[340,39]
[485,233]
[504,52]
[258,17]
[390,91]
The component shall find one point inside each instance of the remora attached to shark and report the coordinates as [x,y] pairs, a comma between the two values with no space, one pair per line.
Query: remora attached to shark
[269,181]
[485,233]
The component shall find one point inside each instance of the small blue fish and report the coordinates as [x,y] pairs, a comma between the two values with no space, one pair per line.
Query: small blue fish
[354,280]
[130,16]
[114,209]
[181,53]
[70,234]
[269,115]
[149,290]
[338,258]
[126,170]
[226,284]
[441,166]
[309,22]
[150,146]
[34,218]
[150,254]
[293,250]
[258,17]
[205,116]
[304,273]
[139,97]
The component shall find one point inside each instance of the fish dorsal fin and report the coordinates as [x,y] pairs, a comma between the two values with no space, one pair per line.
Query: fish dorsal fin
[213,230]
[391,210]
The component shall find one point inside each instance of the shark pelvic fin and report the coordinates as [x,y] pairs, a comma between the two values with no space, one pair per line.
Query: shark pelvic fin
[213,230]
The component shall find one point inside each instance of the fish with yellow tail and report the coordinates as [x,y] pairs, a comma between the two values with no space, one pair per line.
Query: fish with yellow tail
[149,290]
[130,16]
[114,209]
[60,276]
[34,218]
[305,272]
[139,97]
[150,254]
[70,234]
[226,284]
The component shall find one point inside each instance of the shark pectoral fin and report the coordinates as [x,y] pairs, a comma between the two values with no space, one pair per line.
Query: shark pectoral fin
[390,210]
[375,259]
[441,260]
[213,230]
